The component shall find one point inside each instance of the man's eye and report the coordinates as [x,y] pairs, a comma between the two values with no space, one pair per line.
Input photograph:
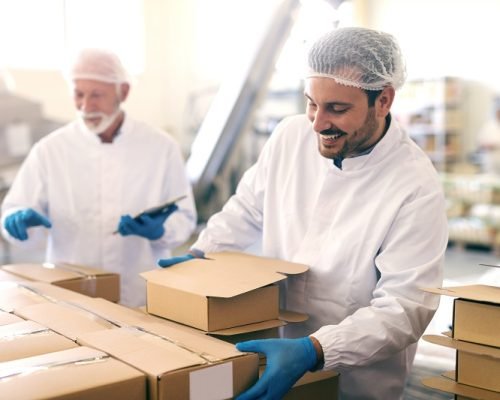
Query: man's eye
[338,110]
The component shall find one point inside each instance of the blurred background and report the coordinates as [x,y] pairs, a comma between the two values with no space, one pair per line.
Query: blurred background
[219,75]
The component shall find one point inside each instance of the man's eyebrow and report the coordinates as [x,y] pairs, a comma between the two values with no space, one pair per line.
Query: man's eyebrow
[334,102]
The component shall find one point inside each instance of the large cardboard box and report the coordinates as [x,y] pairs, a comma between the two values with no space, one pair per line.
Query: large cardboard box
[27,338]
[85,280]
[224,290]
[78,373]
[180,364]
[14,295]
[65,318]
[476,365]
[476,313]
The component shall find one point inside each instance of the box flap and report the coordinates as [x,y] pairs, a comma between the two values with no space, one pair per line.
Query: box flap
[50,273]
[285,317]
[463,346]
[450,386]
[55,359]
[224,274]
[20,329]
[449,375]
[258,326]
[65,319]
[156,352]
[472,292]
[14,295]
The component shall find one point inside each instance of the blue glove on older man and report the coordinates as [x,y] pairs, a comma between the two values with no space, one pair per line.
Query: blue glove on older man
[168,262]
[287,361]
[149,226]
[17,223]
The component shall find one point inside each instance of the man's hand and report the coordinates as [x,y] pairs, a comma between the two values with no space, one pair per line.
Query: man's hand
[287,361]
[18,223]
[148,226]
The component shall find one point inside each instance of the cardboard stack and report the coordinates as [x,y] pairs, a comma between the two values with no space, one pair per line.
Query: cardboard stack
[60,343]
[475,336]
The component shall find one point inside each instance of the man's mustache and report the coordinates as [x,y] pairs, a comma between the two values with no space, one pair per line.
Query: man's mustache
[332,132]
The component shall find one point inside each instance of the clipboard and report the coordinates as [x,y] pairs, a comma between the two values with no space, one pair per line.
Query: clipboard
[157,210]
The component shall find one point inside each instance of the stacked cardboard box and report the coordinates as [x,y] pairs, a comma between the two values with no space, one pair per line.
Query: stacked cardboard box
[476,338]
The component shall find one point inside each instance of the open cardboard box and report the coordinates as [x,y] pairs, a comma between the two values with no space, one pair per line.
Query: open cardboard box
[14,295]
[179,363]
[225,290]
[78,373]
[476,313]
[476,365]
[90,281]
[27,338]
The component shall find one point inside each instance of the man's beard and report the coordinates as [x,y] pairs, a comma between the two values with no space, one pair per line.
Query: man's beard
[105,123]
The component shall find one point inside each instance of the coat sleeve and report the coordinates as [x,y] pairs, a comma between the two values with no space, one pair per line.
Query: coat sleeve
[28,190]
[411,258]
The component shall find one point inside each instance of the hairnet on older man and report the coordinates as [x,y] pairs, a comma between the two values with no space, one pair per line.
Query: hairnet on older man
[99,65]
[359,57]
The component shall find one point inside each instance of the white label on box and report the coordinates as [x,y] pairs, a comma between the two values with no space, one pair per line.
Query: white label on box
[212,383]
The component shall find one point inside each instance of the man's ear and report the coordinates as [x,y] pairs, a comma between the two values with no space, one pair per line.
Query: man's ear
[384,101]
[124,90]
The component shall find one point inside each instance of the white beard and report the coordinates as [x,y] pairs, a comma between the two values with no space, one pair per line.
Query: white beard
[105,123]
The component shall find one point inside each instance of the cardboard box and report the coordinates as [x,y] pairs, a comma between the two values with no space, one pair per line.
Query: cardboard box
[78,373]
[65,318]
[14,295]
[92,282]
[179,364]
[27,338]
[476,313]
[223,291]
[476,365]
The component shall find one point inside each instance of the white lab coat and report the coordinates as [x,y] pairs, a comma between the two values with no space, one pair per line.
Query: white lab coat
[83,186]
[382,214]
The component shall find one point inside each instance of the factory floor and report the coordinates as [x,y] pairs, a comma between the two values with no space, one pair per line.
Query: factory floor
[461,268]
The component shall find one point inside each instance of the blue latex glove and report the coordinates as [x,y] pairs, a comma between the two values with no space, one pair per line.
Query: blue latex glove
[18,223]
[146,225]
[287,361]
[168,262]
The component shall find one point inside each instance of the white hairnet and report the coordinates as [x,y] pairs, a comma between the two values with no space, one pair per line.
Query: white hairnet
[99,65]
[358,57]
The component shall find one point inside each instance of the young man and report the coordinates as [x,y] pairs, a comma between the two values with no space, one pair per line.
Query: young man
[85,180]
[344,190]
